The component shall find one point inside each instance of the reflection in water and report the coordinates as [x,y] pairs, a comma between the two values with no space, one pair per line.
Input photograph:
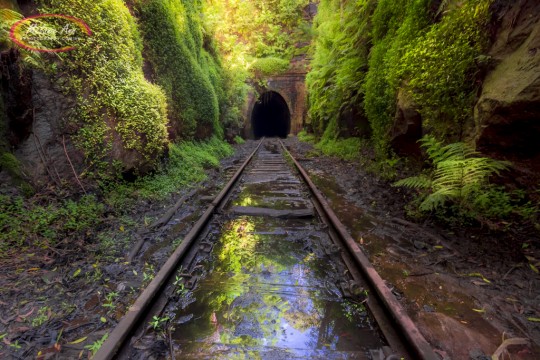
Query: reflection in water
[270,293]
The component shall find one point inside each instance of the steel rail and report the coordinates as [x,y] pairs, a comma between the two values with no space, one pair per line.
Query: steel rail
[418,344]
[136,312]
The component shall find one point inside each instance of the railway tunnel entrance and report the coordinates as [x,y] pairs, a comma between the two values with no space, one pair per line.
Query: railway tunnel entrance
[271,116]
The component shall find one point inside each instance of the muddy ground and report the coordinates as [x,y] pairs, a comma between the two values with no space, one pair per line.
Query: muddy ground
[468,289]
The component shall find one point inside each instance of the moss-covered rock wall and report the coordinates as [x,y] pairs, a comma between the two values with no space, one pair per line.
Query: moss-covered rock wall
[459,70]
[185,63]
[367,52]
[148,74]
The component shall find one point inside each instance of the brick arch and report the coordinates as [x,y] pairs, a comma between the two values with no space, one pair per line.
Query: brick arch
[291,87]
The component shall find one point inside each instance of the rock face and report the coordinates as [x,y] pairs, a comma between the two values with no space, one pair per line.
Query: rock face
[16,86]
[507,113]
[41,153]
[37,131]
[407,127]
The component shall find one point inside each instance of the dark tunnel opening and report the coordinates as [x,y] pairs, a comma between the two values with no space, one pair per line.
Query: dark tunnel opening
[271,116]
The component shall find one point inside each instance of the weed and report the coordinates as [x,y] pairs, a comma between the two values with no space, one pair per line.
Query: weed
[304,136]
[42,316]
[347,149]
[109,300]
[157,322]
[26,223]
[179,285]
[459,182]
[239,140]
[186,166]
[96,345]
[148,273]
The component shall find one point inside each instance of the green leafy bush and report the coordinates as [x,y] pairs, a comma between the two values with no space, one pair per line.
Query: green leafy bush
[239,140]
[306,137]
[347,149]
[269,66]
[185,167]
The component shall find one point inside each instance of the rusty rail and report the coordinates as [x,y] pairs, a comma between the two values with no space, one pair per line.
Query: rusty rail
[136,312]
[416,341]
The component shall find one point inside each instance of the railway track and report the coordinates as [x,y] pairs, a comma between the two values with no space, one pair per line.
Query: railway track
[268,272]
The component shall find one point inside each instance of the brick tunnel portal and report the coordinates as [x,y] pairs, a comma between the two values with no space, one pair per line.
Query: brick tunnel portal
[271,116]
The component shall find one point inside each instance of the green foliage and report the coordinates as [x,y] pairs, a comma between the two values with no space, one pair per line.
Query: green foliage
[460,179]
[26,223]
[185,167]
[258,29]
[440,67]
[116,106]
[366,51]
[306,137]
[11,164]
[269,66]
[9,15]
[158,322]
[340,60]
[239,140]
[395,25]
[347,149]
[96,345]
[185,64]
[256,39]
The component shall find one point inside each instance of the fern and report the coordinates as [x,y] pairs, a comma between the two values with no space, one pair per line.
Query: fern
[415,182]
[459,174]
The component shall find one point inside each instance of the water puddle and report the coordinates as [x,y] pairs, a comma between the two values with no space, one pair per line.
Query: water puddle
[272,294]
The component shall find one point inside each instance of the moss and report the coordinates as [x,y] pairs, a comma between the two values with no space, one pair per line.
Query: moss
[189,75]
[269,66]
[440,68]
[365,51]
[396,24]
[114,101]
